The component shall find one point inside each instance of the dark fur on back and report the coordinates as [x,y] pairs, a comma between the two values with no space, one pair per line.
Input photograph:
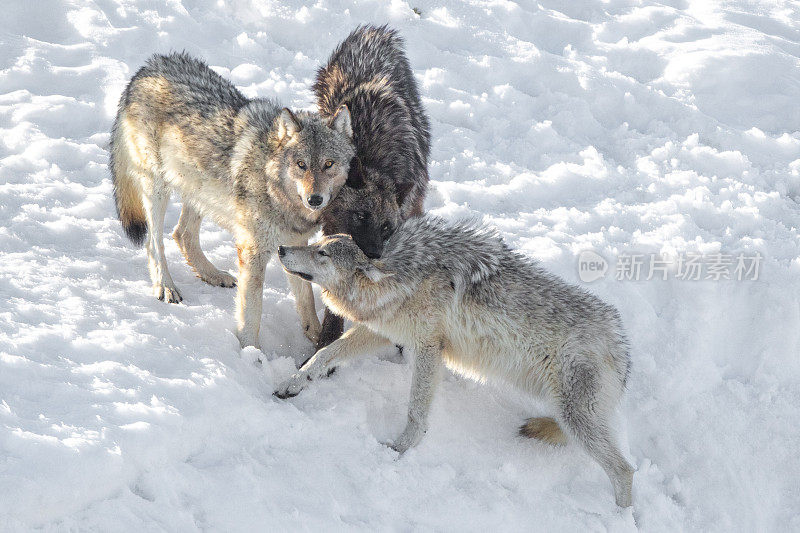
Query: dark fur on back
[370,73]
[203,89]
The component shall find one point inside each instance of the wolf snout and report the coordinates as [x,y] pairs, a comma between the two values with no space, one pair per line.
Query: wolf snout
[281,251]
[315,200]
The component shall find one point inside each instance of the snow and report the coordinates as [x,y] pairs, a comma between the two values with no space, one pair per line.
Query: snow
[618,126]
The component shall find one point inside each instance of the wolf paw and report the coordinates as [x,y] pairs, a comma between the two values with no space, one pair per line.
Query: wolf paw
[312,329]
[409,438]
[291,387]
[400,448]
[167,293]
[247,340]
[219,279]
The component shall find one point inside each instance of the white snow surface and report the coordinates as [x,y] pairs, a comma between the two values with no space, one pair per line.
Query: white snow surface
[619,126]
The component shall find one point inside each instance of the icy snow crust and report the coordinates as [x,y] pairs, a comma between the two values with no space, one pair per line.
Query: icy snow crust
[617,126]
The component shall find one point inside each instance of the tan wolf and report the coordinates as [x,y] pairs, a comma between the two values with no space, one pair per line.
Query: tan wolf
[258,170]
[458,296]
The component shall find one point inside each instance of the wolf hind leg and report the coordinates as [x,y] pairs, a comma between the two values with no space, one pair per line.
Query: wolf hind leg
[154,198]
[598,442]
[585,416]
[187,235]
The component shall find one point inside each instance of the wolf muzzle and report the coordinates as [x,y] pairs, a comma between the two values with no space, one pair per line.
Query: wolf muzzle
[303,275]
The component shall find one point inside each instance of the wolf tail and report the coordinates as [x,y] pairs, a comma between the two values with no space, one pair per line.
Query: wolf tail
[543,429]
[127,194]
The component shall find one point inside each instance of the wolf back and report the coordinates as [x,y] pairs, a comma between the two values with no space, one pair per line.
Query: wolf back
[370,73]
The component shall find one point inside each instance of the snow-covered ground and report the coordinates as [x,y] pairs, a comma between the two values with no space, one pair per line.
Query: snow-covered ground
[620,126]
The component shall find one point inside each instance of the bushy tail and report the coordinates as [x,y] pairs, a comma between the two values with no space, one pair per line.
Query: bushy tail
[543,429]
[127,195]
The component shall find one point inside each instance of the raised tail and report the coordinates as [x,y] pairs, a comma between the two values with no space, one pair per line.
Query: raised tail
[543,429]
[127,196]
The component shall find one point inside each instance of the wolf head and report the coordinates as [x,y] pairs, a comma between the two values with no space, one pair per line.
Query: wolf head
[314,155]
[334,262]
[367,208]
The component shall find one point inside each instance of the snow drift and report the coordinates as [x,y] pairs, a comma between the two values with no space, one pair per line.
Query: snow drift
[620,127]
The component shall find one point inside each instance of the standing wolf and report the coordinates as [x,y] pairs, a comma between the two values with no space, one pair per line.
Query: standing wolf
[260,171]
[370,73]
[458,295]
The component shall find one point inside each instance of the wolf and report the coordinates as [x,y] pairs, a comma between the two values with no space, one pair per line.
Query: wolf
[370,73]
[261,171]
[459,297]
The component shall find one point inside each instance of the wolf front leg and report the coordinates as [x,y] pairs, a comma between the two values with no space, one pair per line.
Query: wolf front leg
[427,374]
[304,302]
[332,328]
[304,299]
[249,298]
[359,340]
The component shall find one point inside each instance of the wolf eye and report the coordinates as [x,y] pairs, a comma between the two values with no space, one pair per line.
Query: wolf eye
[323,253]
[360,216]
[328,163]
[301,164]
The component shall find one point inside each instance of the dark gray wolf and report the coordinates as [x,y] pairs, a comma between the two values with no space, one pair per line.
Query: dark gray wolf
[259,170]
[458,296]
[370,73]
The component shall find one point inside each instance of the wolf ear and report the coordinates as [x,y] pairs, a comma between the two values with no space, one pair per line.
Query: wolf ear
[341,121]
[375,271]
[288,124]
[355,177]
[402,190]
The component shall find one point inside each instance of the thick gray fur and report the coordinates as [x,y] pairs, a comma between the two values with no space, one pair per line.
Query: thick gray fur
[457,295]
[182,127]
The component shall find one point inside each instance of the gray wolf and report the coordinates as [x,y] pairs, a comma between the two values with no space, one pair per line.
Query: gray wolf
[458,296]
[258,170]
[369,72]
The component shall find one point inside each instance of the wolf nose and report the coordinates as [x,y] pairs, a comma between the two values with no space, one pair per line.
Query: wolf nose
[281,251]
[315,200]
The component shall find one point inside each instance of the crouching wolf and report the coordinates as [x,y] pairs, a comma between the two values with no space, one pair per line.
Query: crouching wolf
[458,296]
[370,73]
[259,170]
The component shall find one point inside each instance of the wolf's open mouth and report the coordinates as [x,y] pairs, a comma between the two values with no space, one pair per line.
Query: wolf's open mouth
[307,277]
